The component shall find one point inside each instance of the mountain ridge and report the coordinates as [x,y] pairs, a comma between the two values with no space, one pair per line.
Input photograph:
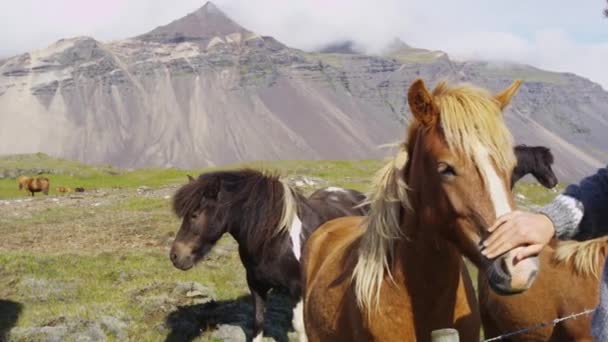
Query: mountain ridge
[209,96]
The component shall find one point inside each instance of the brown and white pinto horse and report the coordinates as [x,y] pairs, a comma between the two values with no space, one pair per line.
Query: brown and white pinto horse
[399,274]
[269,220]
[568,283]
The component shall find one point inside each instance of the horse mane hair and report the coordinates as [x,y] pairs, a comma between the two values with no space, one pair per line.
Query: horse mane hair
[386,197]
[259,195]
[587,257]
[470,117]
[538,155]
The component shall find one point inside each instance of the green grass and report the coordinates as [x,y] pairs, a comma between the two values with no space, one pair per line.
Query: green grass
[89,287]
[41,160]
[340,173]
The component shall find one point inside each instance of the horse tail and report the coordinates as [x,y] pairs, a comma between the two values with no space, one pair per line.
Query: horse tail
[587,257]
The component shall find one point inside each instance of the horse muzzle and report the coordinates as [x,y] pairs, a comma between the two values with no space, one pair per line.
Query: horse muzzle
[181,257]
[506,277]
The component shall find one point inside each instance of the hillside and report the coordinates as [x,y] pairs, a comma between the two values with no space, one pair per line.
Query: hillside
[204,91]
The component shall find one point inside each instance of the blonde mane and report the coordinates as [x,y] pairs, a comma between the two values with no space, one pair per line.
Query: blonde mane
[587,257]
[469,117]
[290,209]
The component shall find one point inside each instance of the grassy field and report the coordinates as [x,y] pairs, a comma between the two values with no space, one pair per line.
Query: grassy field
[72,174]
[94,266]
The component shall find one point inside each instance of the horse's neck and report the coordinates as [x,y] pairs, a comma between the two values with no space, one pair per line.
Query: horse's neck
[519,172]
[304,214]
[428,260]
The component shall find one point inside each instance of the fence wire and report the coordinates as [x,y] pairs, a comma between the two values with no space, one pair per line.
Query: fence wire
[540,325]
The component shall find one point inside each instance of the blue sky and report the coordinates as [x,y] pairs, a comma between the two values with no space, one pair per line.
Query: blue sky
[561,35]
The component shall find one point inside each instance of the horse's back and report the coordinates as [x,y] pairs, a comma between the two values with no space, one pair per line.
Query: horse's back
[330,238]
[332,202]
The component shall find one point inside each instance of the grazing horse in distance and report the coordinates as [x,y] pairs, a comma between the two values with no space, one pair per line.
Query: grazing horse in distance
[398,274]
[536,160]
[269,220]
[79,189]
[567,284]
[22,181]
[38,184]
[63,189]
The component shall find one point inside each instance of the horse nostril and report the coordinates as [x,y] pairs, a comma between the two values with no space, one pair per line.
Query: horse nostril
[173,257]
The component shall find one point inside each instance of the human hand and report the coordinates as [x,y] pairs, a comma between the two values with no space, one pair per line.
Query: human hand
[518,228]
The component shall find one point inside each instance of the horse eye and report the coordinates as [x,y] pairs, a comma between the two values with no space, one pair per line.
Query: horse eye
[446,170]
[194,216]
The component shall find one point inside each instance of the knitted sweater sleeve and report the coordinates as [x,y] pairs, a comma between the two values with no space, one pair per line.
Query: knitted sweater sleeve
[581,211]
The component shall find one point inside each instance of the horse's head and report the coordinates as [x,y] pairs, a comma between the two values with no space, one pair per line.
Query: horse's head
[203,221]
[538,160]
[461,159]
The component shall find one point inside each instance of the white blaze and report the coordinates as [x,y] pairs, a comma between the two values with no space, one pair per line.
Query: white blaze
[295,233]
[495,185]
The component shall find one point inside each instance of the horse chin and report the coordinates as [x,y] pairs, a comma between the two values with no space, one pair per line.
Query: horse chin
[548,182]
[184,266]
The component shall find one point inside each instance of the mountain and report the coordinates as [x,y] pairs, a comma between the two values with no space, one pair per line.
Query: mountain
[199,27]
[204,91]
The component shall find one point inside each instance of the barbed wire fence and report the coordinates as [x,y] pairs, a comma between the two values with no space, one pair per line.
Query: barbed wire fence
[452,334]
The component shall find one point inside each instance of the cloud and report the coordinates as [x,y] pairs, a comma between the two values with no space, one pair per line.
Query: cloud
[551,49]
[559,35]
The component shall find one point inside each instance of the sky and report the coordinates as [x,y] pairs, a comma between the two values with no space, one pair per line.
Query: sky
[559,35]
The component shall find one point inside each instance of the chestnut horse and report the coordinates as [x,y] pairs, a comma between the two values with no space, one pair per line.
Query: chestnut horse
[38,184]
[567,284]
[398,274]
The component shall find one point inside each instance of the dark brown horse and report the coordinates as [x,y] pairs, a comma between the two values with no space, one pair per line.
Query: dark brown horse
[269,220]
[398,274]
[38,184]
[537,161]
[567,284]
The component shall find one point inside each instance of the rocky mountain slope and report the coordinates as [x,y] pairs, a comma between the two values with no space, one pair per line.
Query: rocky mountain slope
[204,91]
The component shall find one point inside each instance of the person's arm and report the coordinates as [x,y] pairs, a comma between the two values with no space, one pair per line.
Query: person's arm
[581,212]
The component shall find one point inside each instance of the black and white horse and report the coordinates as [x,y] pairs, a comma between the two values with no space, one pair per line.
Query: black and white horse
[269,220]
[537,161]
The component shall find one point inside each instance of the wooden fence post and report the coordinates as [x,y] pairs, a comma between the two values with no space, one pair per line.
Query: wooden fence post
[445,335]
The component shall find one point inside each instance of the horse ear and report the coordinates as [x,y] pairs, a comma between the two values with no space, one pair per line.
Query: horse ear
[421,103]
[190,178]
[505,96]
